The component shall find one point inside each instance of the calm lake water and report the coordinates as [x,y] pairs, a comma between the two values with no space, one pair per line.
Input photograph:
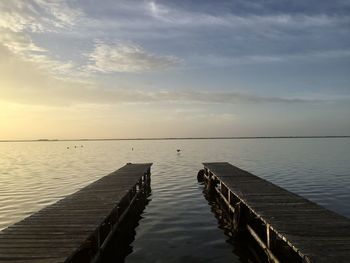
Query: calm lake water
[177,224]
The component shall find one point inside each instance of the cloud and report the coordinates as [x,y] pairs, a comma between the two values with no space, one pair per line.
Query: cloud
[18,43]
[219,97]
[240,31]
[63,14]
[181,17]
[36,15]
[36,87]
[25,49]
[19,19]
[222,61]
[157,10]
[109,58]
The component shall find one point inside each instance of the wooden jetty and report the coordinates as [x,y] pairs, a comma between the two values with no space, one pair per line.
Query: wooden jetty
[287,227]
[78,227]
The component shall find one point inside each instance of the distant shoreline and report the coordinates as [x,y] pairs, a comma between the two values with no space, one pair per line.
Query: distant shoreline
[184,138]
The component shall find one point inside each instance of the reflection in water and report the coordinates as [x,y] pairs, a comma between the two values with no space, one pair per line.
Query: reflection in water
[178,222]
[121,244]
[177,225]
[242,244]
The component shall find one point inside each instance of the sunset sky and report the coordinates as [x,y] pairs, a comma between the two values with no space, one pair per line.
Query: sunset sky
[124,69]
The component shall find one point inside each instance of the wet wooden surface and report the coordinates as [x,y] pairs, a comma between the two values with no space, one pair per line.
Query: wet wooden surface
[319,234]
[59,231]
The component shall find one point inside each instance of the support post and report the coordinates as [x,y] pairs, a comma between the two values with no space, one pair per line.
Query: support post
[268,236]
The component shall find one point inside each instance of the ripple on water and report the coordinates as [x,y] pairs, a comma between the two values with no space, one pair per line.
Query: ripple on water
[177,225]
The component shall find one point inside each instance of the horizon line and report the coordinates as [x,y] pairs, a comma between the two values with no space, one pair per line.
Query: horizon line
[177,138]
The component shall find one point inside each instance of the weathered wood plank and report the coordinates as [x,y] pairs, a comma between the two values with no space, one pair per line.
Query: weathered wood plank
[57,232]
[318,234]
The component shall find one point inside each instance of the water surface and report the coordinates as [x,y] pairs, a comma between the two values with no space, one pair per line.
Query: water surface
[177,224]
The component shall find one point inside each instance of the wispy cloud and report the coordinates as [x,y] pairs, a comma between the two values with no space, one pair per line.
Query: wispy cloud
[157,10]
[222,61]
[36,87]
[36,15]
[25,49]
[21,18]
[18,43]
[220,97]
[77,93]
[282,33]
[109,58]
[181,17]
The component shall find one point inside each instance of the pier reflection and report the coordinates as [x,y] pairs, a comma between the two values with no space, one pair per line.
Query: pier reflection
[242,244]
[120,246]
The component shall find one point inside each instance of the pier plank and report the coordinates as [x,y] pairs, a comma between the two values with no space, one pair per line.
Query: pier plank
[56,233]
[318,234]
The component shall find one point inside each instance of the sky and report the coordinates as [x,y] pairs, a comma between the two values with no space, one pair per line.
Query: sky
[74,69]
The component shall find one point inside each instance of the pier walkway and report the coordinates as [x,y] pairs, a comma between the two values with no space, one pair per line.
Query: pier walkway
[78,227]
[288,228]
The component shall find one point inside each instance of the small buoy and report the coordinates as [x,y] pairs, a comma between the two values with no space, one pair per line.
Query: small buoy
[178,150]
[132,148]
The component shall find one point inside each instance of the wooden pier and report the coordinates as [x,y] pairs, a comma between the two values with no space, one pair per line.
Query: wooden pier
[78,227]
[287,227]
